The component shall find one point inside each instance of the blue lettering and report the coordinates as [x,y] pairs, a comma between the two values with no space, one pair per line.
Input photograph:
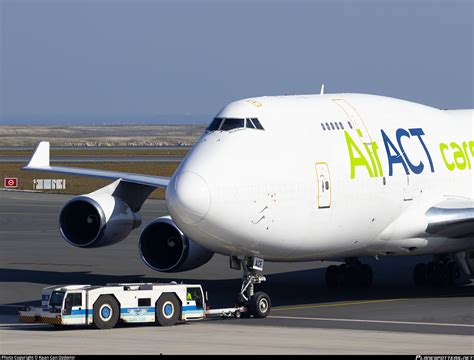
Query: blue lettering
[418,133]
[416,169]
[397,158]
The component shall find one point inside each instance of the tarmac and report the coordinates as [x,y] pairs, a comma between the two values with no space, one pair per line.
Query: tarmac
[392,317]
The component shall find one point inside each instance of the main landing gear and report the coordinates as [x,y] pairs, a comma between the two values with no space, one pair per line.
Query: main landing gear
[350,274]
[441,272]
[257,303]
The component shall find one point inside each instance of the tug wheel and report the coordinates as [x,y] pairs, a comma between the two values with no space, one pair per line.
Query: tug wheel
[106,312]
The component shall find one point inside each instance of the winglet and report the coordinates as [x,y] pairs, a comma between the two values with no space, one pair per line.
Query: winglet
[40,158]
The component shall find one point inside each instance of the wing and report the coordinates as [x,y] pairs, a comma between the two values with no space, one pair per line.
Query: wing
[452,218]
[40,162]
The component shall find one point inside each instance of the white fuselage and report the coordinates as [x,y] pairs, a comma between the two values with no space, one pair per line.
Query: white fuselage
[298,191]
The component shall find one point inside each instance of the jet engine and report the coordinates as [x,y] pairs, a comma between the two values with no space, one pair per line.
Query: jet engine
[163,247]
[96,220]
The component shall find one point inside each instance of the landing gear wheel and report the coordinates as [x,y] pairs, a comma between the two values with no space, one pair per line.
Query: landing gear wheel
[333,277]
[366,276]
[454,273]
[260,305]
[167,310]
[106,312]
[419,275]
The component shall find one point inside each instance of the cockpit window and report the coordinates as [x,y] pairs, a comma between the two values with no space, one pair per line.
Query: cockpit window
[214,124]
[250,124]
[226,124]
[232,123]
[257,124]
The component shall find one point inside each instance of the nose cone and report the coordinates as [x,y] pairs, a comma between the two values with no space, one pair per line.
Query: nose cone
[188,197]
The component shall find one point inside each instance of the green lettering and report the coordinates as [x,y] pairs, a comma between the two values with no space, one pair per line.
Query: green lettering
[464,147]
[375,149]
[443,148]
[371,159]
[358,160]
[458,155]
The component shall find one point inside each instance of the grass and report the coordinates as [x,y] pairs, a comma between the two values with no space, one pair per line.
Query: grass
[104,151]
[84,184]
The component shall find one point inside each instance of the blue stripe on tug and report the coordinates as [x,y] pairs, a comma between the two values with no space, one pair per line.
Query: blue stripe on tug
[138,311]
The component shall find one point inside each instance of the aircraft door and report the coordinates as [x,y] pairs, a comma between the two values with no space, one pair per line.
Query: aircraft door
[357,123]
[324,185]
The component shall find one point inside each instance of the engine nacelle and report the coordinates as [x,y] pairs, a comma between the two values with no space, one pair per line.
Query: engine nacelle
[163,247]
[96,220]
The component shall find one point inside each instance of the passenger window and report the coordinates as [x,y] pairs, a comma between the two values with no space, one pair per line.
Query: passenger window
[230,124]
[337,126]
[322,125]
[250,124]
[327,126]
[214,124]
[350,125]
[332,126]
[342,127]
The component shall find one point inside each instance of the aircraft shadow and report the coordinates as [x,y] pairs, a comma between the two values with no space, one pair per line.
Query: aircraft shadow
[285,289]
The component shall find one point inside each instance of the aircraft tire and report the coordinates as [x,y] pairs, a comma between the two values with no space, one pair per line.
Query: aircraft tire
[419,275]
[333,277]
[366,276]
[260,305]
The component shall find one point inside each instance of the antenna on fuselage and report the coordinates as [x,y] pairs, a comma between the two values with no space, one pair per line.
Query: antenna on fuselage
[322,90]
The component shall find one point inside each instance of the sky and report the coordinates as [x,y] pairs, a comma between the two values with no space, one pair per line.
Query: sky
[144,61]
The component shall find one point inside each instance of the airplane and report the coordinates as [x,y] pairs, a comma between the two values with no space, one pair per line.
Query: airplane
[299,178]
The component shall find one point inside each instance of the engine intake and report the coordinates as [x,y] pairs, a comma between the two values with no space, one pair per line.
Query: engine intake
[163,247]
[94,221]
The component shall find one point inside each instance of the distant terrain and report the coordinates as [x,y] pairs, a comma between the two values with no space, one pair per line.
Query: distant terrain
[103,135]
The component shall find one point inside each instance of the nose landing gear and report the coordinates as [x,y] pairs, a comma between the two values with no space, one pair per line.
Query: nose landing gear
[257,303]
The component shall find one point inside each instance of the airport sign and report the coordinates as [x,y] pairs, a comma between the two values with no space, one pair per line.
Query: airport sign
[10,183]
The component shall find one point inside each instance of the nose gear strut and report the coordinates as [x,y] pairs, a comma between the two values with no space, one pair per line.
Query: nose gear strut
[258,303]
